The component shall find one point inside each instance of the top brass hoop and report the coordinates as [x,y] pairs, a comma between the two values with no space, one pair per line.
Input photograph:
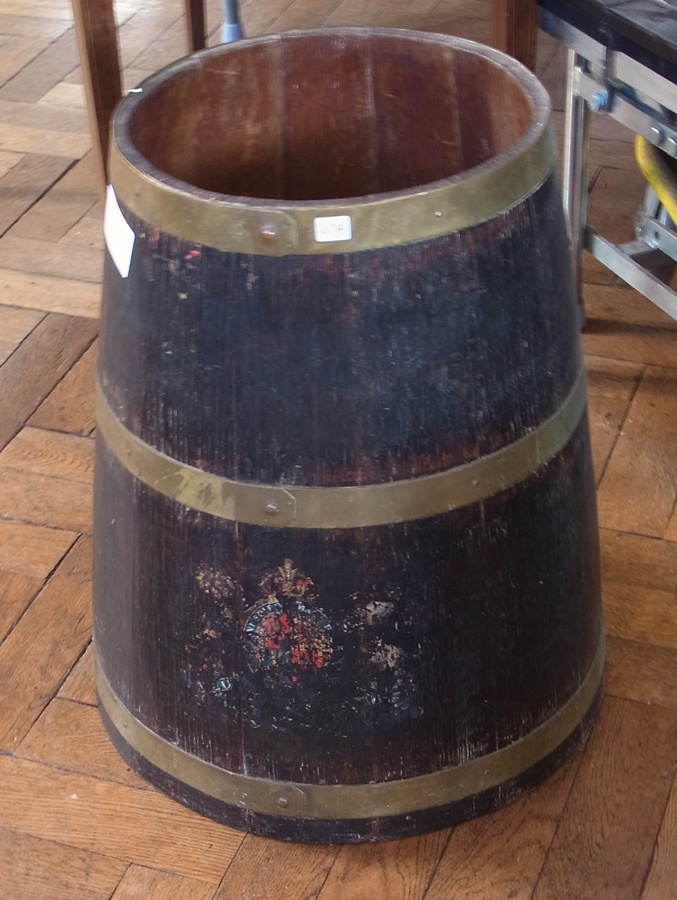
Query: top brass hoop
[278,228]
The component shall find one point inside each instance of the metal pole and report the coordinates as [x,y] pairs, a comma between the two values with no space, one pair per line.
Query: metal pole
[231,29]
[575,178]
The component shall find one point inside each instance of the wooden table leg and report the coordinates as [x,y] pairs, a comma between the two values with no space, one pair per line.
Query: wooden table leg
[97,43]
[515,23]
[195,19]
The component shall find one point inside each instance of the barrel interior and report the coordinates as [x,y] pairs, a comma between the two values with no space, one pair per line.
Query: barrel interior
[324,117]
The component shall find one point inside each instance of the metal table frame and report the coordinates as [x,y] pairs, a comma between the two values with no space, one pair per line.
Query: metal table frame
[605,80]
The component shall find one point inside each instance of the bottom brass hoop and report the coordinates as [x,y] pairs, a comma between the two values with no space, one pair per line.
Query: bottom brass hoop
[354,801]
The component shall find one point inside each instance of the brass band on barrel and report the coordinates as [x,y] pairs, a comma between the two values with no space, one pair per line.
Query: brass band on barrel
[355,801]
[358,506]
[278,228]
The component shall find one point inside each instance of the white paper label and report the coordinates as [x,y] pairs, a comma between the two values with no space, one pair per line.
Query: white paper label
[118,235]
[333,228]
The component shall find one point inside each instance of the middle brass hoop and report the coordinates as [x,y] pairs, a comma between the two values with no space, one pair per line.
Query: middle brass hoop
[357,506]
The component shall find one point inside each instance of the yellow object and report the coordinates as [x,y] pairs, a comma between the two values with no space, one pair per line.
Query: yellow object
[660,170]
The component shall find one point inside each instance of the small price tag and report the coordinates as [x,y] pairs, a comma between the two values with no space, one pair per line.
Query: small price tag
[333,228]
[118,235]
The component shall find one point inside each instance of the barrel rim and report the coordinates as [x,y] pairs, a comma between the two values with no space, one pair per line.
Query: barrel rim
[281,227]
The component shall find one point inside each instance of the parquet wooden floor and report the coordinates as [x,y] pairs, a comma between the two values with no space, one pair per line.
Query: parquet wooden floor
[74,821]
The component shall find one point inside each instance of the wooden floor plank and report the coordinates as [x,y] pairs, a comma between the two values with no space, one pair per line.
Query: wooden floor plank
[28,180]
[23,25]
[662,880]
[501,855]
[624,325]
[41,361]
[57,295]
[80,686]
[58,211]
[17,52]
[353,12]
[44,71]
[604,843]
[642,672]
[15,325]
[641,614]
[671,531]
[59,9]
[65,96]
[71,406]
[23,139]
[124,823]
[40,452]
[8,160]
[31,550]
[34,869]
[634,560]
[611,387]
[270,869]
[46,116]
[60,260]
[142,29]
[87,234]
[639,488]
[63,503]
[396,870]
[42,647]
[140,883]
[303,14]
[16,592]
[640,588]
[71,736]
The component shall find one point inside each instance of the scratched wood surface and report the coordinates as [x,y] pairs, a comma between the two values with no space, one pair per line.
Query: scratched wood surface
[74,821]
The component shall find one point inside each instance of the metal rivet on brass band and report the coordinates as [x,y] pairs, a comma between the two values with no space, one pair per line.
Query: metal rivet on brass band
[357,801]
[269,233]
[272,509]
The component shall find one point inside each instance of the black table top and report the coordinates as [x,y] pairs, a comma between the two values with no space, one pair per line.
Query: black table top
[646,30]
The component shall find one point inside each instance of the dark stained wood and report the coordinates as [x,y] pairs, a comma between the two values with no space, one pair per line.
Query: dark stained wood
[195,19]
[515,27]
[344,370]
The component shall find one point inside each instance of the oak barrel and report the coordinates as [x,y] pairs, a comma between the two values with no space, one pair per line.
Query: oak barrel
[346,578]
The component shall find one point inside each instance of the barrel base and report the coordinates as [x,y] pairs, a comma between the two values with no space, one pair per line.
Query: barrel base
[363,830]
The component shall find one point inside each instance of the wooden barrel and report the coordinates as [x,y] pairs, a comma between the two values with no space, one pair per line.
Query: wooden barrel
[346,559]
